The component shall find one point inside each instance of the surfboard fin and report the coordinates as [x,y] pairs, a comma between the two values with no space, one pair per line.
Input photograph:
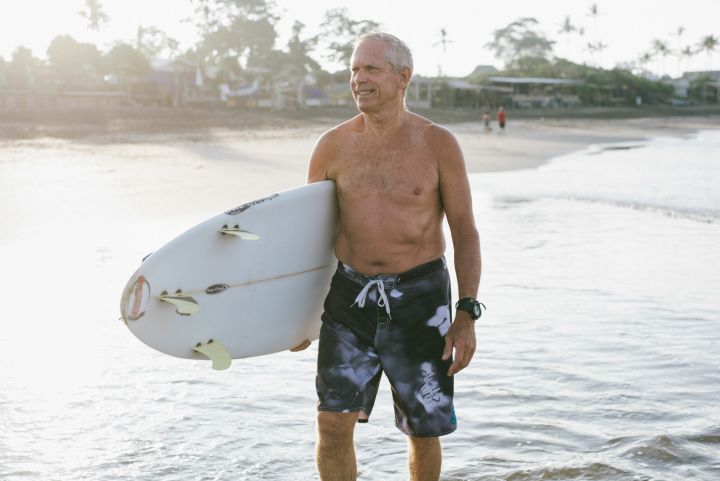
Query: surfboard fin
[238,232]
[216,352]
[185,305]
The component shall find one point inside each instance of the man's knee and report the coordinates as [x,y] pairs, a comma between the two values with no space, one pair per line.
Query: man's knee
[335,426]
[423,444]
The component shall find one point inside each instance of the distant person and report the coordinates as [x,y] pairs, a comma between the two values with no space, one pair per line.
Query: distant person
[501,119]
[486,121]
[397,176]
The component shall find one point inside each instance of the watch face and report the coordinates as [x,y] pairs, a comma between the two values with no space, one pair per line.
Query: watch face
[476,310]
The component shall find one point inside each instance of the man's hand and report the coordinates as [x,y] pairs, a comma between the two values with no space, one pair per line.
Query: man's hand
[301,347]
[460,336]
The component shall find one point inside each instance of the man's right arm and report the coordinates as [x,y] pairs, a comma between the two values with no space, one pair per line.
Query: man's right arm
[317,172]
[317,168]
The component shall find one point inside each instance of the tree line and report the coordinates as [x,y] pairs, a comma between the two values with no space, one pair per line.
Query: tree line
[234,36]
[528,52]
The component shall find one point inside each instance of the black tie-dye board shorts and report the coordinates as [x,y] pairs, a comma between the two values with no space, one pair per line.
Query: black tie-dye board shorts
[393,324]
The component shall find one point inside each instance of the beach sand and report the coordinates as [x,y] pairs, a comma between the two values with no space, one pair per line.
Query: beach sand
[271,150]
[155,169]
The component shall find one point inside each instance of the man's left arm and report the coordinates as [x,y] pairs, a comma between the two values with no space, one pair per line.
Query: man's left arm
[457,202]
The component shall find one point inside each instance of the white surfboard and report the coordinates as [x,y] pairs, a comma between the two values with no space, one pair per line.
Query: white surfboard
[247,282]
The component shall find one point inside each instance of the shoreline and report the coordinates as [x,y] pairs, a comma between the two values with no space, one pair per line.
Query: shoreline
[532,143]
[284,141]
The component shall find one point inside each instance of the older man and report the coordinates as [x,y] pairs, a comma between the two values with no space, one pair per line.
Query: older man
[389,307]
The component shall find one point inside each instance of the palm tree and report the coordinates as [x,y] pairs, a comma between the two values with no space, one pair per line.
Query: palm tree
[709,43]
[646,58]
[594,13]
[660,47]
[567,28]
[596,47]
[94,15]
[443,42]
[679,52]
[686,52]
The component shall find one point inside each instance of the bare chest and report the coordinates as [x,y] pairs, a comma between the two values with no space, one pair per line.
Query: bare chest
[398,170]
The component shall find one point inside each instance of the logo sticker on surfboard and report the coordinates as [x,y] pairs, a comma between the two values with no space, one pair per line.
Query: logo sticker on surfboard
[217,289]
[244,207]
[136,299]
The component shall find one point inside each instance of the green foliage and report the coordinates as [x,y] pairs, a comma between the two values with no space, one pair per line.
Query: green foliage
[709,43]
[72,63]
[519,39]
[703,88]
[94,15]
[153,43]
[299,50]
[3,73]
[623,87]
[236,32]
[127,61]
[340,33]
[600,87]
[24,69]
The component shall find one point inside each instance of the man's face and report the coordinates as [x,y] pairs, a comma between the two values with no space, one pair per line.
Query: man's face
[373,82]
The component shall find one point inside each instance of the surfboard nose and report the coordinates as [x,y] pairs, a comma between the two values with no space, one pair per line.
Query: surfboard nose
[135,299]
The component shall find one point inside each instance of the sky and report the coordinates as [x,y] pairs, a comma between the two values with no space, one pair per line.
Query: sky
[627,27]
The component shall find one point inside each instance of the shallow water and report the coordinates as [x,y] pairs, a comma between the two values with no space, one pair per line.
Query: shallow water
[598,357]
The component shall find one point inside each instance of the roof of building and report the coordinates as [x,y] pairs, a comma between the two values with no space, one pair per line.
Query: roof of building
[480,69]
[172,65]
[534,80]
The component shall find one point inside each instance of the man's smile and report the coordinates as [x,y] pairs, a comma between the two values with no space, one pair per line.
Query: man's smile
[364,91]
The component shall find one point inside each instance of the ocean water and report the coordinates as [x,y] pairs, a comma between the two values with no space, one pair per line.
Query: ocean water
[598,357]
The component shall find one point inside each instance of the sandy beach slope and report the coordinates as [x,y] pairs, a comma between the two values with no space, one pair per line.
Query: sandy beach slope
[188,171]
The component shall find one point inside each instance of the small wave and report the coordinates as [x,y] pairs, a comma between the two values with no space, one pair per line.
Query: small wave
[707,216]
[600,148]
[588,472]
[678,452]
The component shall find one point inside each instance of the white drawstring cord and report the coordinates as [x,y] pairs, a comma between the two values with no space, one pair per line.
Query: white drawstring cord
[382,300]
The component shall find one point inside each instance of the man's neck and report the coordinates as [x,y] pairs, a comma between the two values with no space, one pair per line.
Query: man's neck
[382,122]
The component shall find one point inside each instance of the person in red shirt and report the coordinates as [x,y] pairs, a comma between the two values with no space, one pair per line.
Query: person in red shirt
[501,119]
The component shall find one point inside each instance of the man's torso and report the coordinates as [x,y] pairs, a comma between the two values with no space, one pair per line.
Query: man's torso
[389,197]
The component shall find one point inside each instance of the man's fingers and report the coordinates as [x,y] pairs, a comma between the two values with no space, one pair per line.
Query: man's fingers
[448,347]
[464,353]
[302,346]
[457,364]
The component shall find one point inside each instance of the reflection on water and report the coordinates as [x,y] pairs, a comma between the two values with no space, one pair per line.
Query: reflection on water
[598,358]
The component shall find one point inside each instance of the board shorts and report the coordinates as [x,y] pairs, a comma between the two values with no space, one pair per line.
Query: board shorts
[394,324]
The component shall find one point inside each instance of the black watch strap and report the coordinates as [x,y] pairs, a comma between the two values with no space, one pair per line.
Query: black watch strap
[471,306]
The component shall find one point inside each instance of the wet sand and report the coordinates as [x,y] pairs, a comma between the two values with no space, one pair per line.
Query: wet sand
[273,149]
[177,171]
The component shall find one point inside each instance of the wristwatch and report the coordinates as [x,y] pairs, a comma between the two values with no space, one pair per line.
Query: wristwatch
[471,306]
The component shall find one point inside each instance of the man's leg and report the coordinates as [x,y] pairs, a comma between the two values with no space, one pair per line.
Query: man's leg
[424,458]
[335,447]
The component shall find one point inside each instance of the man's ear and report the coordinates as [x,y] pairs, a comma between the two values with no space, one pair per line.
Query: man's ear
[405,76]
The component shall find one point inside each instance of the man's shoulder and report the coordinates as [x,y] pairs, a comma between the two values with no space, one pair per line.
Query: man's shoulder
[340,131]
[333,142]
[435,134]
[427,126]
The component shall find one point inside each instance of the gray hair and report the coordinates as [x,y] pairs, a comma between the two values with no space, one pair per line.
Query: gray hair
[398,53]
